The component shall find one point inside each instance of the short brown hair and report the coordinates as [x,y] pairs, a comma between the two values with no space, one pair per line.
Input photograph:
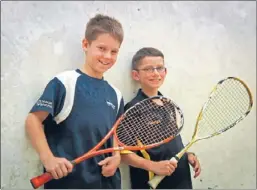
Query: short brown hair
[101,24]
[145,52]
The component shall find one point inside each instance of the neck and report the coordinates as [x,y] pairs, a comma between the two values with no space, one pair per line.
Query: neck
[90,72]
[150,92]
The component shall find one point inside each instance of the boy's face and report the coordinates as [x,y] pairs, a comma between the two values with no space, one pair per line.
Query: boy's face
[101,54]
[150,73]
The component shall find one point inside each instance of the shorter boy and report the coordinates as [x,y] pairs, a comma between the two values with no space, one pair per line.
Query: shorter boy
[149,70]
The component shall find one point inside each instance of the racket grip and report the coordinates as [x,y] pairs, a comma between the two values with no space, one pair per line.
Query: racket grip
[38,181]
[154,182]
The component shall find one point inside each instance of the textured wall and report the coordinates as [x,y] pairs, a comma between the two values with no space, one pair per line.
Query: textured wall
[202,41]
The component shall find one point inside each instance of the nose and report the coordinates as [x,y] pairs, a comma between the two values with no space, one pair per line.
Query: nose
[108,55]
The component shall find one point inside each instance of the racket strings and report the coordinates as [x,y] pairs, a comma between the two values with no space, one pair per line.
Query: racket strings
[227,104]
[148,123]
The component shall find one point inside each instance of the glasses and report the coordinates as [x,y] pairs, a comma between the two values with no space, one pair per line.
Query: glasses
[152,69]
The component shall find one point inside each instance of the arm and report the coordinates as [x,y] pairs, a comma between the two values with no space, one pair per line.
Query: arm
[34,129]
[115,144]
[110,164]
[58,167]
[165,167]
[136,161]
[194,162]
[50,102]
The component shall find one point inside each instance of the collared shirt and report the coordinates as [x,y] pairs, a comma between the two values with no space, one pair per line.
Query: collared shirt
[180,179]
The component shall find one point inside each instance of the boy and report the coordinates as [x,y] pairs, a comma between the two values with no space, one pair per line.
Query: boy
[77,109]
[149,70]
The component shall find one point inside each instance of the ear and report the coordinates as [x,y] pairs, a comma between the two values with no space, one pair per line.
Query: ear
[135,75]
[166,71]
[85,44]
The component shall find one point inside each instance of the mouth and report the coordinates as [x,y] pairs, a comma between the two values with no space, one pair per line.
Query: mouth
[103,63]
[155,80]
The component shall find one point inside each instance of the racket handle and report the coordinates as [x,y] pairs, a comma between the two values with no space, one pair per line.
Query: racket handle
[38,181]
[154,182]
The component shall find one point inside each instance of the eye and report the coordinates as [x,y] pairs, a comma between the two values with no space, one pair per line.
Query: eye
[148,69]
[114,52]
[160,69]
[101,48]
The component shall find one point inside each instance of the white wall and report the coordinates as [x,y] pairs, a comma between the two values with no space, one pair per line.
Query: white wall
[203,42]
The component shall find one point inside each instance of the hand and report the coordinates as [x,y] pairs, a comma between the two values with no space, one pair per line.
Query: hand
[57,167]
[110,165]
[194,162]
[165,167]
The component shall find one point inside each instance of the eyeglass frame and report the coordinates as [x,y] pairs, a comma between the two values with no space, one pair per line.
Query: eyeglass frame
[152,69]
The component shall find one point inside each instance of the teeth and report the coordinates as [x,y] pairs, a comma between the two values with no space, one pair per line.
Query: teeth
[103,63]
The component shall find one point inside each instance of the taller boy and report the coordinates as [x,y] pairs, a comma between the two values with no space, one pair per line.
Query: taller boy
[77,109]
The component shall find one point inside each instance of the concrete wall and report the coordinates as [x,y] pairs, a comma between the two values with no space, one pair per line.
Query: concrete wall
[203,42]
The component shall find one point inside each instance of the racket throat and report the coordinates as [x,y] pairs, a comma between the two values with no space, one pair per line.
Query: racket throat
[118,148]
[180,154]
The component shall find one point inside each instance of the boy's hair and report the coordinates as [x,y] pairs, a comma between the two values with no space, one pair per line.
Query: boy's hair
[145,52]
[102,24]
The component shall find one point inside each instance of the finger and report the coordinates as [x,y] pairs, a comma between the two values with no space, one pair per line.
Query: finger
[105,172]
[193,158]
[103,168]
[171,172]
[103,162]
[54,174]
[191,161]
[109,170]
[64,169]
[109,173]
[197,164]
[59,172]
[197,172]
[173,163]
[171,169]
[68,165]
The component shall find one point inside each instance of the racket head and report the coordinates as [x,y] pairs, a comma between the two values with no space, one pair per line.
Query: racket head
[229,102]
[149,123]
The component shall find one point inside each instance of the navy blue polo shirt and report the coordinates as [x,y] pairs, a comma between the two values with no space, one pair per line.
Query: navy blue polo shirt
[81,110]
[180,179]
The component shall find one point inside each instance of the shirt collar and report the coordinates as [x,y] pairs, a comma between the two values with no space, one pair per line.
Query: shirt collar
[141,95]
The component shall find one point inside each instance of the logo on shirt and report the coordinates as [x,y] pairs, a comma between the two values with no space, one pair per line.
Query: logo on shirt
[44,103]
[110,104]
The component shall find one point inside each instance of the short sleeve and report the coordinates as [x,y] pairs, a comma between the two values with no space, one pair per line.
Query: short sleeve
[52,99]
